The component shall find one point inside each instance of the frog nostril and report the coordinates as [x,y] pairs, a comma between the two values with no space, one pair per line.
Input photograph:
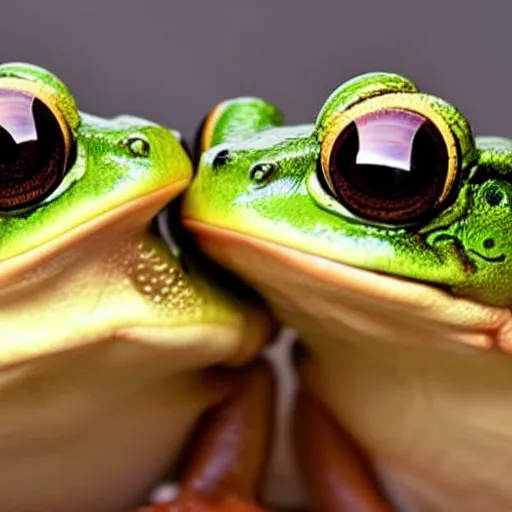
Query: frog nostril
[488,243]
[221,158]
[494,196]
[137,145]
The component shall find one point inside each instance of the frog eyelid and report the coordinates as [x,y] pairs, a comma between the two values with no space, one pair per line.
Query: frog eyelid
[49,98]
[45,95]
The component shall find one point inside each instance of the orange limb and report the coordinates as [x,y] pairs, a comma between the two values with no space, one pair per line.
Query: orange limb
[336,473]
[227,461]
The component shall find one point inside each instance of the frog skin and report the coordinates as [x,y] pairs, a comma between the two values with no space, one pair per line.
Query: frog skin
[381,234]
[107,343]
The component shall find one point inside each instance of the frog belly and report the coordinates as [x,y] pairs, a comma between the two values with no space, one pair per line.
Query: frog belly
[415,375]
[437,426]
[95,428]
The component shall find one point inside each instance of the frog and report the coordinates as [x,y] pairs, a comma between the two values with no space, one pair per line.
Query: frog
[114,346]
[381,234]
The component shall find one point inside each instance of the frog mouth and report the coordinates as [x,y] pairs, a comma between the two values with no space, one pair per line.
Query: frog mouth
[282,271]
[184,247]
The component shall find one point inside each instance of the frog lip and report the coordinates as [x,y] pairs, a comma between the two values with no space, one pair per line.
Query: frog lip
[16,265]
[474,319]
[172,229]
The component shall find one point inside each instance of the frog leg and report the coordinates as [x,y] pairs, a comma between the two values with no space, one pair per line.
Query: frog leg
[229,453]
[335,472]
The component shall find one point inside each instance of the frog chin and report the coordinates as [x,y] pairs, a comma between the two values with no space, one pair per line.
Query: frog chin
[301,286]
[128,221]
[128,290]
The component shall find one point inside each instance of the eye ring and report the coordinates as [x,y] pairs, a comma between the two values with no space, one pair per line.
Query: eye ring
[414,105]
[20,187]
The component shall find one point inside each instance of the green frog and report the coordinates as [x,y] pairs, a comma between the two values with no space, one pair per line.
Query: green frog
[112,347]
[382,234]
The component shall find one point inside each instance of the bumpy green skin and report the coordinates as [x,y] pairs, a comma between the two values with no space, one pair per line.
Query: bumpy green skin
[237,123]
[42,76]
[466,248]
[109,169]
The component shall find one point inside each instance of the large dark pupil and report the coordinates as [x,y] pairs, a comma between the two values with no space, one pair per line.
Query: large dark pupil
[32,150]
[389,165]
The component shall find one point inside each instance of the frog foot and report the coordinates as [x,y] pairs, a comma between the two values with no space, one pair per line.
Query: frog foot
[335,471]
[229,451]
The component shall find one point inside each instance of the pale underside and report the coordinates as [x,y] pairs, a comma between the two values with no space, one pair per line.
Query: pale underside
[421,379]
[102,373]
[96,428]
[96,422]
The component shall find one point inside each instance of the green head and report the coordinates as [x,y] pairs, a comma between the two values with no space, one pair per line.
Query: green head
[79,249]
[388,179]
[62,169]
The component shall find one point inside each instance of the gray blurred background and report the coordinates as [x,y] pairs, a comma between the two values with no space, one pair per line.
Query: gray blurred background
[172,61]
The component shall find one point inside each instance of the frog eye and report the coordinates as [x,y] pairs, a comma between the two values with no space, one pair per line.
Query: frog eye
[390,159]
[35,145]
